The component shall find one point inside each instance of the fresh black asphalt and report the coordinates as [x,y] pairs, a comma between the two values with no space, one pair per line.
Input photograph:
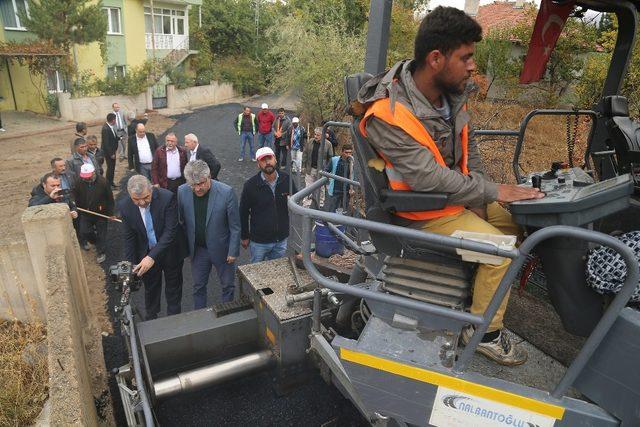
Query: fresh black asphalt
[247,401]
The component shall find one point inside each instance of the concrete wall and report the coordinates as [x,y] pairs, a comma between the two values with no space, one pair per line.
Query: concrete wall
[20,297]
[28,89]
[76,366]
[199,95]
[97,107]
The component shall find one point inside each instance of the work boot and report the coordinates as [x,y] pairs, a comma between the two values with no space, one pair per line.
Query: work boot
[501,350]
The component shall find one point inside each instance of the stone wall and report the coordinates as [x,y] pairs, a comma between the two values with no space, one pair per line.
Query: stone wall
[97,107]
[213,93]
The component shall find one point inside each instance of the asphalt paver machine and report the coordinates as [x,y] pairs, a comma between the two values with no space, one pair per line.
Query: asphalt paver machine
[387,336]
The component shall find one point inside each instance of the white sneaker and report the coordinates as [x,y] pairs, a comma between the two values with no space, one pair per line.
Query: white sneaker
[241,159]
[2,130]
[253,160]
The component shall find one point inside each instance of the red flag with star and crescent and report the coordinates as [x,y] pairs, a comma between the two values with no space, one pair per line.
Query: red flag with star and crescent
[549,24]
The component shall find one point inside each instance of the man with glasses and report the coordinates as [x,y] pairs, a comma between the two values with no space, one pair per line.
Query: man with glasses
[208,211]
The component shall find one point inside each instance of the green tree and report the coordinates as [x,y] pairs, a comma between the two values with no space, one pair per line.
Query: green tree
[404,27]
[565,63]
[314,62]
[66,23]
[494,58]
[350,15]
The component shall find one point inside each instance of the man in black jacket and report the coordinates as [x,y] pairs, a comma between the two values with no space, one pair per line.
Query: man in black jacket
[110,146]
[150,222]
[93,193]
[49,190]
[142,146]
[264,215]
[198,152]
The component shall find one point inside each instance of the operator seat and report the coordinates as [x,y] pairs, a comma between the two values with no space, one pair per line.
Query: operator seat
[624,134]
[426,272]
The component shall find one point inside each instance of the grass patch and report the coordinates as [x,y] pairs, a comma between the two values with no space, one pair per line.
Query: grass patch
[24,377]
[545,140]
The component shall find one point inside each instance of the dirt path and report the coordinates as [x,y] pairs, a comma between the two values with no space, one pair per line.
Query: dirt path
[28,160]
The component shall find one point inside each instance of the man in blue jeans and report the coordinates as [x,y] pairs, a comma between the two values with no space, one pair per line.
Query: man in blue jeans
[264,216]
[245,125]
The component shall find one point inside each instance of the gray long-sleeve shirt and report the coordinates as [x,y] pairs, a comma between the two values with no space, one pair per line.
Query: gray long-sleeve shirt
[415,162]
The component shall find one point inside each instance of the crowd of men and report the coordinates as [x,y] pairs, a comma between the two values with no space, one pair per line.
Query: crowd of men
[176,206]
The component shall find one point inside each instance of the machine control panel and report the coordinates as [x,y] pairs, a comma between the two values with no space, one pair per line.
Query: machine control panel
[571,198]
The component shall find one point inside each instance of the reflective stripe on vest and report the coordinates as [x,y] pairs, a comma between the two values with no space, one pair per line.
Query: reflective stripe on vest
[253,122]
[409,123]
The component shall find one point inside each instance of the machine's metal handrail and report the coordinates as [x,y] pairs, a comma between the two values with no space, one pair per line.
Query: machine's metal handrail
[546,112]
[408,233]
[496,132]
[340,178]
[135,359]
[323,140]
[605,323]
[519,257]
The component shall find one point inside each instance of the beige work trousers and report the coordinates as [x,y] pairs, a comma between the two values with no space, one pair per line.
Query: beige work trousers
[487,276]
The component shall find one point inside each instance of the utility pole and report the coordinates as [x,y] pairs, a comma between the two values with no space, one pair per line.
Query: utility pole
[257,25]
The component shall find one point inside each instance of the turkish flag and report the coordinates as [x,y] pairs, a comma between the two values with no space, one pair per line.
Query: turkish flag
[549,24]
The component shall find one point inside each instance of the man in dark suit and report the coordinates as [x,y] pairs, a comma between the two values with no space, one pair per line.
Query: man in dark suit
[209,211]
[110,146]
[198,152]
[169,161]
[142,145]
[150,221]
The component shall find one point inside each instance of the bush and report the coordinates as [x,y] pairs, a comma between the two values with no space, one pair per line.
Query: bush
[180,79]
[589,87]
[313,62]
[53,108]
[246,75]
[136,81]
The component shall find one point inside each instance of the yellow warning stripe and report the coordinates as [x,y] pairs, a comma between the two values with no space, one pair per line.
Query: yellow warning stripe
[453,383]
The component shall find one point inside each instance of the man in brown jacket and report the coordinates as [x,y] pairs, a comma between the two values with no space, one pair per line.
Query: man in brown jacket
[169,160]
[417,120]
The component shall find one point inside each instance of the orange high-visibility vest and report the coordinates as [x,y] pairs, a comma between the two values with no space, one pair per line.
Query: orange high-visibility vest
[405,120]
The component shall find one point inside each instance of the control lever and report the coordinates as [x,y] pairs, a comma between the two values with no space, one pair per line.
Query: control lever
[536,182]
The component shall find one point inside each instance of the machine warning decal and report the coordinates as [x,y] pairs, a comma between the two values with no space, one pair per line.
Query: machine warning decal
[452,408]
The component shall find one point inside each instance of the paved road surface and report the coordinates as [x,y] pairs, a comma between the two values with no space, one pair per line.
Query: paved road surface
[248,401]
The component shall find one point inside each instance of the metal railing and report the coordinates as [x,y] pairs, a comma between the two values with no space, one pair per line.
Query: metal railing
[518,256]
[137,367]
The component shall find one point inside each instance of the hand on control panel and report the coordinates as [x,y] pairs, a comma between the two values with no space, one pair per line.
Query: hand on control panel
[511,193]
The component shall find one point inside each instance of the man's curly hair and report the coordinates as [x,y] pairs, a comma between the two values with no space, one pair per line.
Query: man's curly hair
[444,29]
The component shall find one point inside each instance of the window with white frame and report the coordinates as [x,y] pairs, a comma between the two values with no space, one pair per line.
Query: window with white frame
[166,21]
[116,71]
[56,82]
[9,10]
[113,20]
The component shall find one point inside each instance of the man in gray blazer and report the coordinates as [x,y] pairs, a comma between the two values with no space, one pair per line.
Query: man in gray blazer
[209,213]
